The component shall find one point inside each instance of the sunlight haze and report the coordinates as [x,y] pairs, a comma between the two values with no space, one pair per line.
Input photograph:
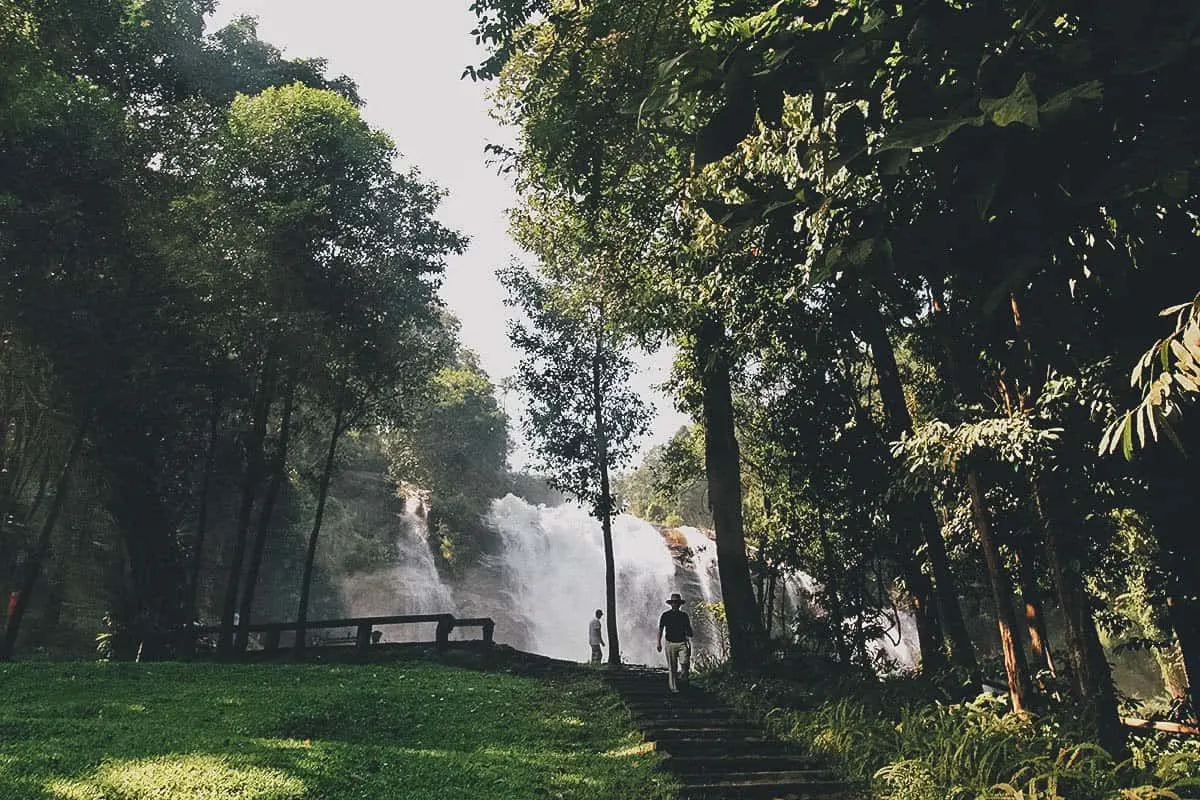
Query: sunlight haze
[407,57]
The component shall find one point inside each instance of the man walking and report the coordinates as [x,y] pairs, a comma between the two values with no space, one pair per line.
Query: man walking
[678,628]
[594,637]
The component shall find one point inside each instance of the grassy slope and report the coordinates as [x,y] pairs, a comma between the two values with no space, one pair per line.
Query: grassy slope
[166,731]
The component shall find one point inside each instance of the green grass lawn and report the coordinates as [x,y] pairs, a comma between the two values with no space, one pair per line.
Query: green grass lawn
[84,731]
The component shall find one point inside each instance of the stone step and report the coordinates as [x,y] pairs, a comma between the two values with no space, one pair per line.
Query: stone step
[684,764]
[732,746]
[666,732]
[664,697]
[755,787]
[685,718]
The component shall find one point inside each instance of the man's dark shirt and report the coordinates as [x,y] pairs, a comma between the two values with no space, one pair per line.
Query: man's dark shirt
[676,625]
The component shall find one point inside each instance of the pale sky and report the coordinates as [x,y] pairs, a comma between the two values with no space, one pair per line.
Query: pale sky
[407,57]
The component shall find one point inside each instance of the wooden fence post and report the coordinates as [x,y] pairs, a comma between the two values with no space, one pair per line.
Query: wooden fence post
[444,626]
[363,640]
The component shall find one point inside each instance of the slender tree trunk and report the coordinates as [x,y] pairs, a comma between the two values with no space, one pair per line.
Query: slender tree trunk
[1014,653]
[610,585]
[1035,619]
[760,573]
[760,591]
[920,511]
[34,565]
[1181,612]
[193,590]
[1091,674]
[929,632]
[723,467]
[278,472]
[860,639]
[310,555]
[770,620]
[254,469]
[600,432]
[837,619]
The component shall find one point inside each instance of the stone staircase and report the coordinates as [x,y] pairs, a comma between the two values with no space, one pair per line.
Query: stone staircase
[716,754]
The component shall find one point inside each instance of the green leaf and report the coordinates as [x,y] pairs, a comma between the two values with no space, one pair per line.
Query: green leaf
[730,215]
[923,133]
[1019,106]
[1089,92]
[1106,439]
[1127,439]
[1166,312]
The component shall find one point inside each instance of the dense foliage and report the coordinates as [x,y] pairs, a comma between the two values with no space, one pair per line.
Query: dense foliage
[891,738]
[908,253]
[218,284]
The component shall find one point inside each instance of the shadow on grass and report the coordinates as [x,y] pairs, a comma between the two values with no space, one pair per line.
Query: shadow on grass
[167,731]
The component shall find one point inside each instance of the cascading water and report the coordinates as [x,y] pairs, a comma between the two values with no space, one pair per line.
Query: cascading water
[546,578]
[410,586]
[552,570]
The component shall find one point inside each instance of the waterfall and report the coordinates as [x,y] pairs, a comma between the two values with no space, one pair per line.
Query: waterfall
[544,579]
[551,570]
[411,585]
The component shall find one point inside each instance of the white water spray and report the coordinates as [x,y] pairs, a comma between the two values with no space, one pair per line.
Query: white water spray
[552,566]
[411,585]
[546,580]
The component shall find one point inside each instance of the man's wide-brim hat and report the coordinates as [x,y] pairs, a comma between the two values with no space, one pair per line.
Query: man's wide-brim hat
[676,599]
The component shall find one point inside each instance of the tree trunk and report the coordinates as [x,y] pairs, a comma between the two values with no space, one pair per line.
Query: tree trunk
[770,620]
[760,592]
[33,566]
[1181,612]
[605,509]
[929,632]
[254,469]
[920,510]
[837,619]
[278,471]
[723,468]
[311,554]
[193,590]
[1035,619]
[1014,654]
[1091,674]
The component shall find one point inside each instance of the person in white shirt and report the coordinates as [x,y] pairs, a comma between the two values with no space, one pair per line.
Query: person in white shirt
[594,637]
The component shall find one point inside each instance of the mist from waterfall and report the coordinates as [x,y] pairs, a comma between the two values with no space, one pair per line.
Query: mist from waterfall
[411,585]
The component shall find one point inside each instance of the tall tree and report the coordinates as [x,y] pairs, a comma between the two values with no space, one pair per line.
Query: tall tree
[580,411]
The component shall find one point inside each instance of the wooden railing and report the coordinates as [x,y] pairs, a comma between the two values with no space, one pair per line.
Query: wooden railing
[365,634]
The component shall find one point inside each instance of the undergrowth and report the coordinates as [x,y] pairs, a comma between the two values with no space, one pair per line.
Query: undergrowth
[905,741]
